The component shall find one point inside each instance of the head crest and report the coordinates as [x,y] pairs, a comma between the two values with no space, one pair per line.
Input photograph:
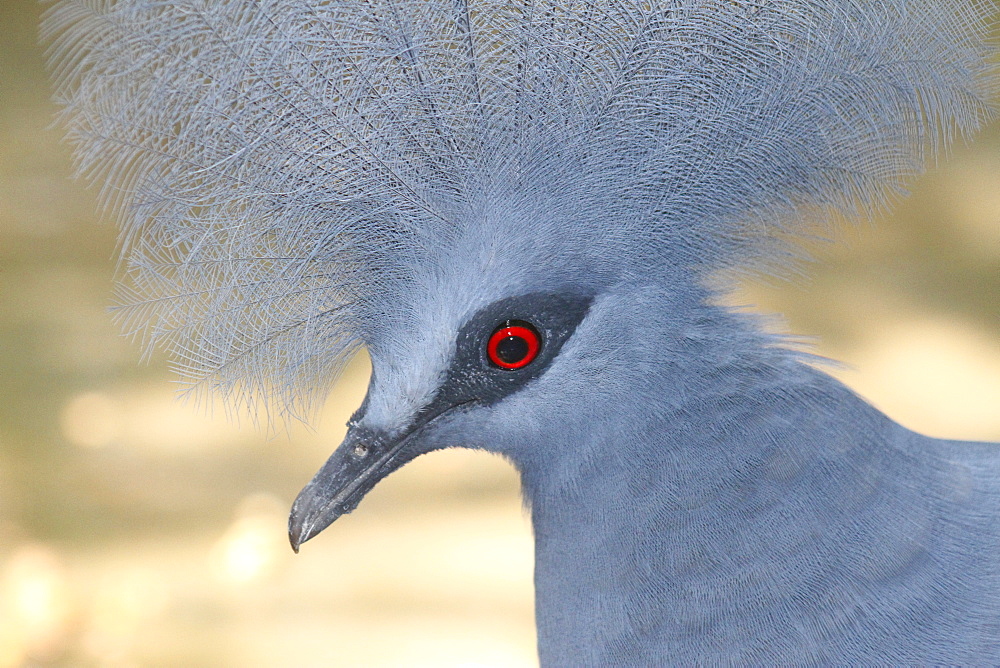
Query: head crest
[285,172]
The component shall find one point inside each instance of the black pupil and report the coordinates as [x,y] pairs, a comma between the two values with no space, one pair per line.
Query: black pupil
[512,349]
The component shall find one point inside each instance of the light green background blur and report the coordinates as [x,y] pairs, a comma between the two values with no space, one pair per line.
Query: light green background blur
[137,531]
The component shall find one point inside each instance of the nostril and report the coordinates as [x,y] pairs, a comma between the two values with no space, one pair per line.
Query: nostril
[360,450]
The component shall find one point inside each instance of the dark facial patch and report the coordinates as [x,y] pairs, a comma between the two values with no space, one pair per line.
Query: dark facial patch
[472,377]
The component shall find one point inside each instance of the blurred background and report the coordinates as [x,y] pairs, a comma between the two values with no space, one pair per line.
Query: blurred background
[136,530]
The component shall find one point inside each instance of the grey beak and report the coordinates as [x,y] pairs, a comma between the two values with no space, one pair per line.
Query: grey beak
[354,468]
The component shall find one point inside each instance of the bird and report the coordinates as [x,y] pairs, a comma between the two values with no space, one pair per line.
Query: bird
[525,212]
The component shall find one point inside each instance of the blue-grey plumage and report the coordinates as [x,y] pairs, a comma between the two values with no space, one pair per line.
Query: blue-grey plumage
[298,178]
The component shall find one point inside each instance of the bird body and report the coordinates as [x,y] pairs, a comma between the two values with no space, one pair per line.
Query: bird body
[522,211]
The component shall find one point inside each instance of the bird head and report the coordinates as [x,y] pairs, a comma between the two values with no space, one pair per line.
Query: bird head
[483,354]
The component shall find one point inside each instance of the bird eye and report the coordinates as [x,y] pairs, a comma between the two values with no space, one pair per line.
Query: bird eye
[514,345]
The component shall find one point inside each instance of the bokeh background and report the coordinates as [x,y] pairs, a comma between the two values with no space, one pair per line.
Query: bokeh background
[136,530]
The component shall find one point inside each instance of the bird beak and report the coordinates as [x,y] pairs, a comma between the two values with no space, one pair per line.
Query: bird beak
[364,458]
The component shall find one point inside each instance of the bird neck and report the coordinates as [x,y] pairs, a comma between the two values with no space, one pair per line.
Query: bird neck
[692,508]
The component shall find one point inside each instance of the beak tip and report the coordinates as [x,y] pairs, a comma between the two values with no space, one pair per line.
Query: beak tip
[304,524]
[298,532]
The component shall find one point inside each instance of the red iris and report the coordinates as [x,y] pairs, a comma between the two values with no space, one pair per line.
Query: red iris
[514,346]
